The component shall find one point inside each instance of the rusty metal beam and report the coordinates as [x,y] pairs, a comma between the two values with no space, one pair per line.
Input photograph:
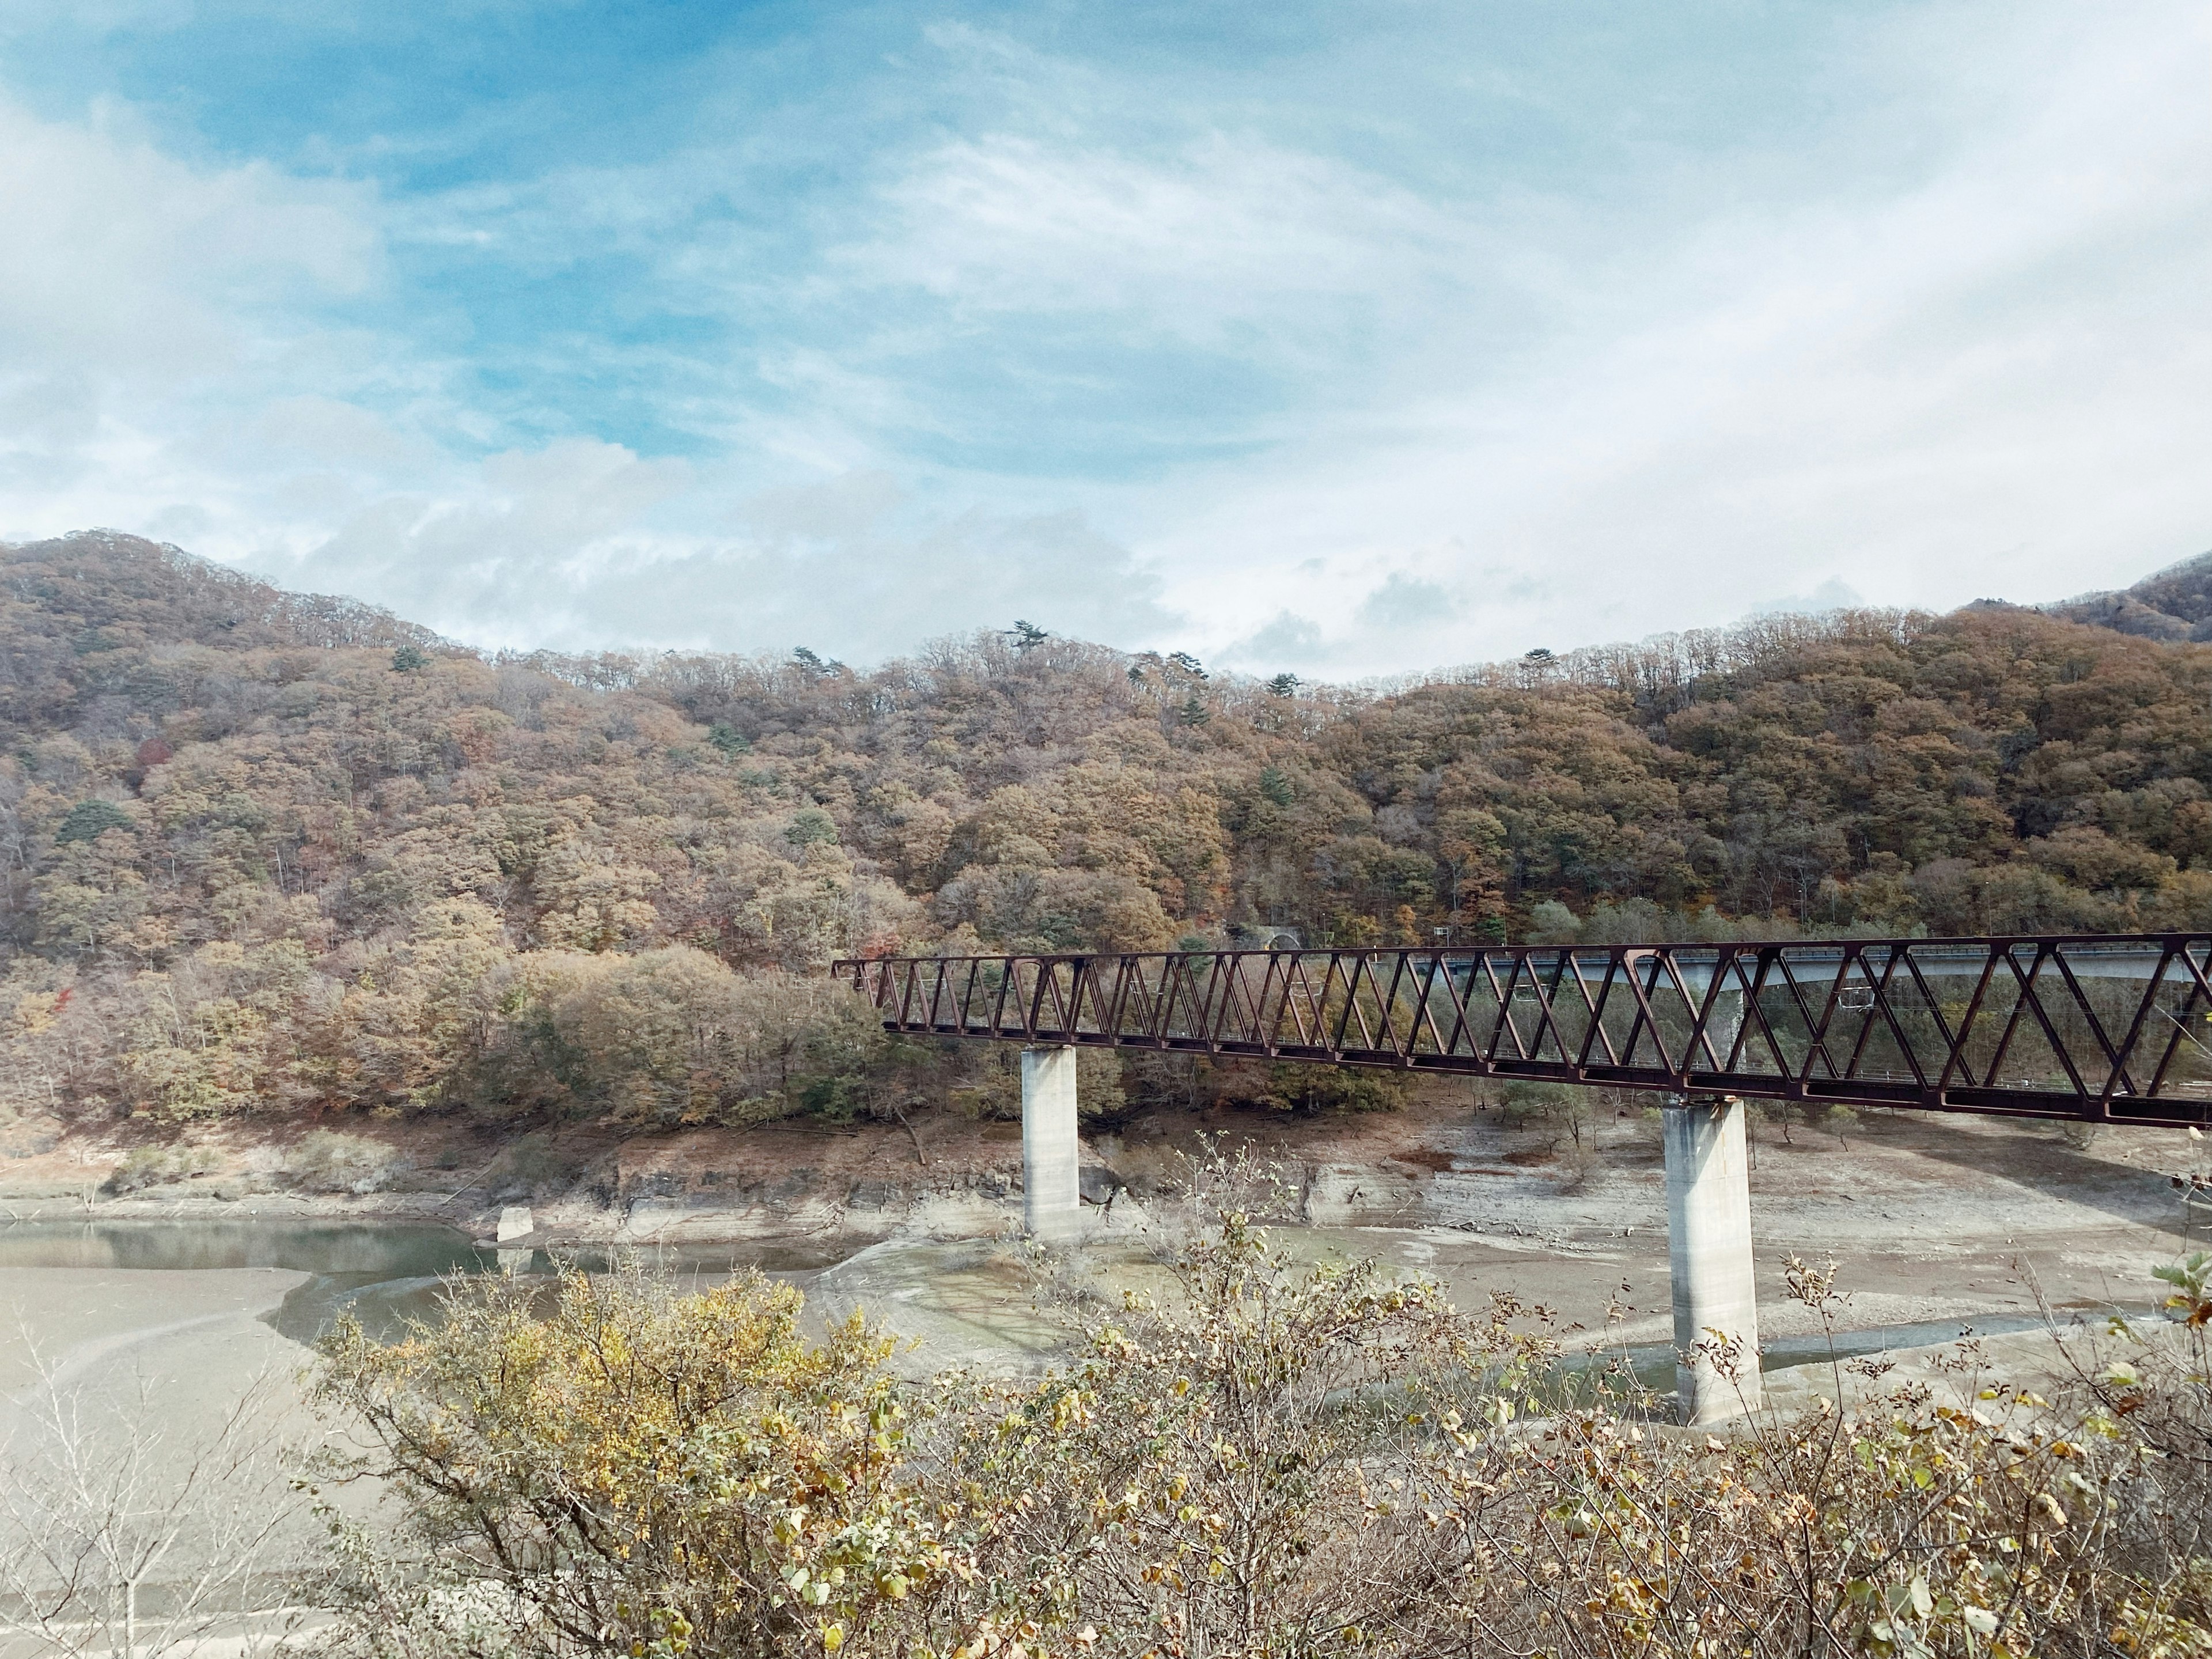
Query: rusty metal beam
[2106,1028]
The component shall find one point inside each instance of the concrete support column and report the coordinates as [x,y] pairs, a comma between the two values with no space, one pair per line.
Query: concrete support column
[1051,1176]
[1709,1245]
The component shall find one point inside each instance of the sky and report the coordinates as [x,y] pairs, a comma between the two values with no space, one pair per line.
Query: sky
[1346,339]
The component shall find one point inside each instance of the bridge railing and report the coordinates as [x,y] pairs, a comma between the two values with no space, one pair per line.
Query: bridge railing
[2101,1027]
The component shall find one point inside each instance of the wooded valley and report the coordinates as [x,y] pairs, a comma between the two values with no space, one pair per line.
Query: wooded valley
[269,853]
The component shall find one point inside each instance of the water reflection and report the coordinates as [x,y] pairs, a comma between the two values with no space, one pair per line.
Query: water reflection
[965,1302]
[304,1246]
[383,1274]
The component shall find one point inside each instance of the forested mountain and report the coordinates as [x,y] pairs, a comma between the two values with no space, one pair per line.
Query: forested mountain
[272,852]
[2173,603]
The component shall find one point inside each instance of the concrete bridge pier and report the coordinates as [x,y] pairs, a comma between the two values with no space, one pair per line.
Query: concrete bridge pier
[1709,1247]
[1052,1175]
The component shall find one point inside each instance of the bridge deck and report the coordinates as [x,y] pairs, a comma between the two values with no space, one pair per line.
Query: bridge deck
[2107,1027]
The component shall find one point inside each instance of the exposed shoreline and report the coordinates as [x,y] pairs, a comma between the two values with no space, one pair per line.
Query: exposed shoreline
[1930,1218]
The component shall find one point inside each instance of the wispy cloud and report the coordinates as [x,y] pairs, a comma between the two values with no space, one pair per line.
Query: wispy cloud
[1975,378]
[1344,346]
[120,260]
[1225,237]
[560,547]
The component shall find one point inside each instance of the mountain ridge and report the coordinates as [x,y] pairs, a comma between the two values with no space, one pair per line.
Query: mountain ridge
[2174,603]
[269,853]
[207,602]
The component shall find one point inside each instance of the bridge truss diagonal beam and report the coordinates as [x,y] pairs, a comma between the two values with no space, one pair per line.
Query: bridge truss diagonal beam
[2109,1027]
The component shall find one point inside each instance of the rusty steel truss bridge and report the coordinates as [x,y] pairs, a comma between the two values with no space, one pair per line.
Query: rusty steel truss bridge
[2113,1028]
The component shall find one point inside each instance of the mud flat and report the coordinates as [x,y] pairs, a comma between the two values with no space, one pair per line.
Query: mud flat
[185,1296]
[1938,1226]
[149,1369]
[193,1329]
[1932,1220]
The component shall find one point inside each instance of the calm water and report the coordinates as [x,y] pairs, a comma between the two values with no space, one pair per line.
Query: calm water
[383,1273]
[387,1273]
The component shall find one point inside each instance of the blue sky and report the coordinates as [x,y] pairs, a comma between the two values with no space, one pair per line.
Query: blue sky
[1349,339]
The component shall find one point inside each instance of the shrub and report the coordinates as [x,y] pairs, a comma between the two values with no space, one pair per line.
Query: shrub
[328,1161]
[673,1035]
[1294,1086]
[644,1472]
[1264,1459]
[1219,1468]
[1280,1459]
[1551,922]
[154,1166]
[88,820]
[1569,1108]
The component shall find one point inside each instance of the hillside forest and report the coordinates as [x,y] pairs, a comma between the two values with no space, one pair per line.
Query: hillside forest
[265,853]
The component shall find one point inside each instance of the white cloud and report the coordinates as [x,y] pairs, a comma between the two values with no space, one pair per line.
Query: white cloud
[1945,339]
[1830,595]
[144,304]
[556,547]
[120,260]
[1988,380]
[1225,235]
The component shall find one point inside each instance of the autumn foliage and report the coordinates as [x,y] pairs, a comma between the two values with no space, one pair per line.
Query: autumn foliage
[272,852]
[1266,1459]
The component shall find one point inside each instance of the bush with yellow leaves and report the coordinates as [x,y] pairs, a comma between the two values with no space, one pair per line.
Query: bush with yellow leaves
[629,1470]
[1273,1459]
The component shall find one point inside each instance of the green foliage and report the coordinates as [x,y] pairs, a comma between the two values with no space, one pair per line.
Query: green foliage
[1569,1112]
[2191,1300]
[88,820]
[1551,922]
[727,739]
[810,826]
[1525,1101]
[409,659]
[1313,1090]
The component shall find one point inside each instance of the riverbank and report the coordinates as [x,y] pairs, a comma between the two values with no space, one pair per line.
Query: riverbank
[1932,1219]
[1939,1226]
